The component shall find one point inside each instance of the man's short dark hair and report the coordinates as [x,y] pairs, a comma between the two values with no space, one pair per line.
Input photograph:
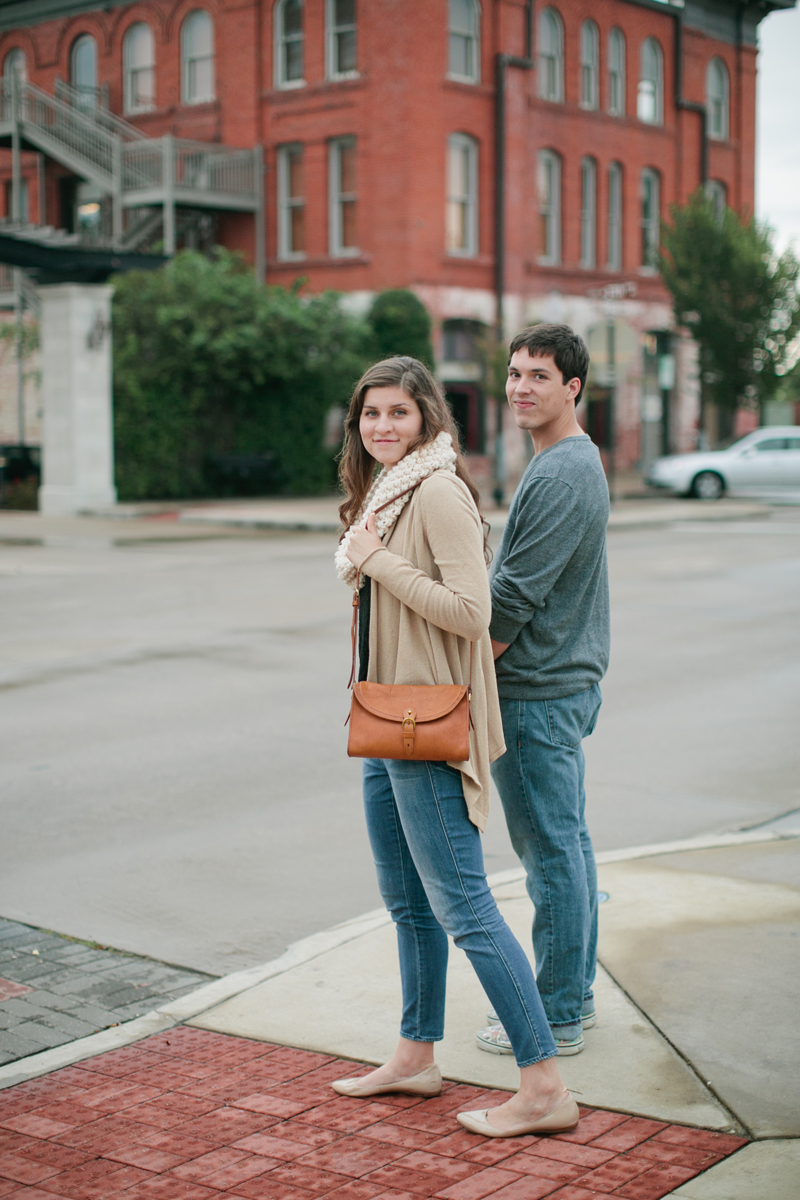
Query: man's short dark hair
[559,342]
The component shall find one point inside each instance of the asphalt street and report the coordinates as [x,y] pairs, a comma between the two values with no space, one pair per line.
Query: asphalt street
[175,781]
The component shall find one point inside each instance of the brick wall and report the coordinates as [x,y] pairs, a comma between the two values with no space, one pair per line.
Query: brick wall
[401,109]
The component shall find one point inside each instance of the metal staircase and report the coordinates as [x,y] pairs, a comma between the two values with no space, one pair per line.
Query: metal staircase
[134,171]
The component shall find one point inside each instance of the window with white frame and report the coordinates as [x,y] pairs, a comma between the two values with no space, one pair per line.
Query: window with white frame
[717,102]
[650,93]
[650,217]
[15,64]
[549,197]
[551,56]
[289,43]
[616,73]
[342,39]
[83,69]
[461,217]
[614,231]
[590,65]
[588,213]
[291,203]
[197,58]
[717,192]
[139,67]
[463,53]
[343,197]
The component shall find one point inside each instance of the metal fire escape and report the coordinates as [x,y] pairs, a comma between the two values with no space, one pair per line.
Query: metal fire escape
[147,183]
[146,180]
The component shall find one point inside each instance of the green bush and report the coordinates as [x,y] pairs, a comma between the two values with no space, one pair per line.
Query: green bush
[208,362]
[400,324]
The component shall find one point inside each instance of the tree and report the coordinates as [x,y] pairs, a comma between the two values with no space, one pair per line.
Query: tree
[400,324]
[737,297]
[208,362]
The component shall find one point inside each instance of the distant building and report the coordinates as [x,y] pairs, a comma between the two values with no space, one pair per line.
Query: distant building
[381,128]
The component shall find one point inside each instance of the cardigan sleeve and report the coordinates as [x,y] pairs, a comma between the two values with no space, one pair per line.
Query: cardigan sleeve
[460,602]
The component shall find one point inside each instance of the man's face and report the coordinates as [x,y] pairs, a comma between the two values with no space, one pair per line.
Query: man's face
[536,390]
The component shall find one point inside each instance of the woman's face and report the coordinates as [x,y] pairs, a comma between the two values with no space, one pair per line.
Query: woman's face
[390,421]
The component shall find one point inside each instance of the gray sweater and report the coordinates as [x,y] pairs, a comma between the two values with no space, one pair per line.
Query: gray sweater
[550,577]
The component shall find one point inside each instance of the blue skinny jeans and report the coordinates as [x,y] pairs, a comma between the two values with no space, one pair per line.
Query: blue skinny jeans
[431,876]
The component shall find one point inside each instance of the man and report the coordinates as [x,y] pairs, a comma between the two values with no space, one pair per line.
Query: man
[550,633]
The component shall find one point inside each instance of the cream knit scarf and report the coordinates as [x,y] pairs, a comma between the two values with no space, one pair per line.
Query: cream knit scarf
[437,455]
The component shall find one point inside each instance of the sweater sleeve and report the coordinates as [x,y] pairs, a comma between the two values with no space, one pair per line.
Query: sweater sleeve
[458,603]
[547,531]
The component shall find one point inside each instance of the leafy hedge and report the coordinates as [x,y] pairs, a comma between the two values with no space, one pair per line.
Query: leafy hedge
[400,324]
[208,362]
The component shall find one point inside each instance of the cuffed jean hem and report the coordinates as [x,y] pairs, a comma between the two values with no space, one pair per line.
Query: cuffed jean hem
[533,1061]
[413,1037]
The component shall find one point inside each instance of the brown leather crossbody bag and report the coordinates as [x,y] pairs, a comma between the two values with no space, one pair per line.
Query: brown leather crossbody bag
[420,722]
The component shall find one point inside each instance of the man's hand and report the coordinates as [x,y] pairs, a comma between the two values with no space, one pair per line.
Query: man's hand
[363,542]
[499,648]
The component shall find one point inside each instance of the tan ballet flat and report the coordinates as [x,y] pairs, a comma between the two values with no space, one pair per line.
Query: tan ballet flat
[561,1119]
[425,1083]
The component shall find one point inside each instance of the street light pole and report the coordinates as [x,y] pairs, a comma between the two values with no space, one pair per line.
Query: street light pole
[611,368]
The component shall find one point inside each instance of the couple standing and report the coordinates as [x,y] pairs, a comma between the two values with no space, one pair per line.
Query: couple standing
[414,544]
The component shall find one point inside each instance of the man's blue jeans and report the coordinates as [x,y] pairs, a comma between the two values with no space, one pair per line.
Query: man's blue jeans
[540,781]
[431,875]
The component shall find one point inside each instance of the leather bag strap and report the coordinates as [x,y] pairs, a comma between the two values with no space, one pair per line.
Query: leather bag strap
[356,603]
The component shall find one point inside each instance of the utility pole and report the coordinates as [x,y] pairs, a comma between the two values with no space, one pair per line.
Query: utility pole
[502,63]
[16,217]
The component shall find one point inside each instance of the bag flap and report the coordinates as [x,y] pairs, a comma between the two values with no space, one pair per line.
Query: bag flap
[392,701]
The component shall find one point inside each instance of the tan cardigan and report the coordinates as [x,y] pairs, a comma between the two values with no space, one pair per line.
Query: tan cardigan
[432,599]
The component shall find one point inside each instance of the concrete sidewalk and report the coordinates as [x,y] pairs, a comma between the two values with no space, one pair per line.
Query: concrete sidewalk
[696,1011]
[321,515]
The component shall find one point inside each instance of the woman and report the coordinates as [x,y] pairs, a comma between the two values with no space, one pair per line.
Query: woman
[425,597]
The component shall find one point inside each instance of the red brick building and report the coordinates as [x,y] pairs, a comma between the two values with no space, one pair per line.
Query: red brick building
[405,142]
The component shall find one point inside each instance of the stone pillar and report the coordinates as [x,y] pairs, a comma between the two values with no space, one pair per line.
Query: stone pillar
[77,435]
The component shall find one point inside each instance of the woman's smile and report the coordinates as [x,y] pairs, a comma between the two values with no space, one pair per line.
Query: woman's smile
[390,422]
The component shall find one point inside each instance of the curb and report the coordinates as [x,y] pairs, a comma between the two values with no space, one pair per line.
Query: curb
[212,994]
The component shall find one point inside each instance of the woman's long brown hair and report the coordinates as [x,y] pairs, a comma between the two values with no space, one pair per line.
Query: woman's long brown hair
[357,467]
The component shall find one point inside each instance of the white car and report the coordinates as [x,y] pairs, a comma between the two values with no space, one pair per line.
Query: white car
[766,459]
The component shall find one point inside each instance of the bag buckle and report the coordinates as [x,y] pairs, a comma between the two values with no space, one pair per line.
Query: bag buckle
[409,731]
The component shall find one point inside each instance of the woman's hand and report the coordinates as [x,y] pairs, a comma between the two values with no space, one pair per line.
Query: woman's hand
[363,542]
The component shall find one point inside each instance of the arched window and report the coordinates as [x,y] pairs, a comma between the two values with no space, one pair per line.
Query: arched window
[463,55]
[717,193]
[717,102]
[139,65]
[342,26]
[616,73]
[83,69]
[549,189]
[197,58]
[588,213]
[461,217]
[650,94]
[614,247]
[289,43]
[590,65]
[15,64]
[551,56]
[650,217]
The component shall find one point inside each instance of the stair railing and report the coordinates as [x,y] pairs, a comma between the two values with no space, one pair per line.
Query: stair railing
[99,113]
[70,129]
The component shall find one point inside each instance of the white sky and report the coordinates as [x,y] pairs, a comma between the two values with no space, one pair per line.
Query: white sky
[778,132]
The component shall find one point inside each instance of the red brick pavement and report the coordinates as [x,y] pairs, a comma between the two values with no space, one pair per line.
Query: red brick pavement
[189,1114]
